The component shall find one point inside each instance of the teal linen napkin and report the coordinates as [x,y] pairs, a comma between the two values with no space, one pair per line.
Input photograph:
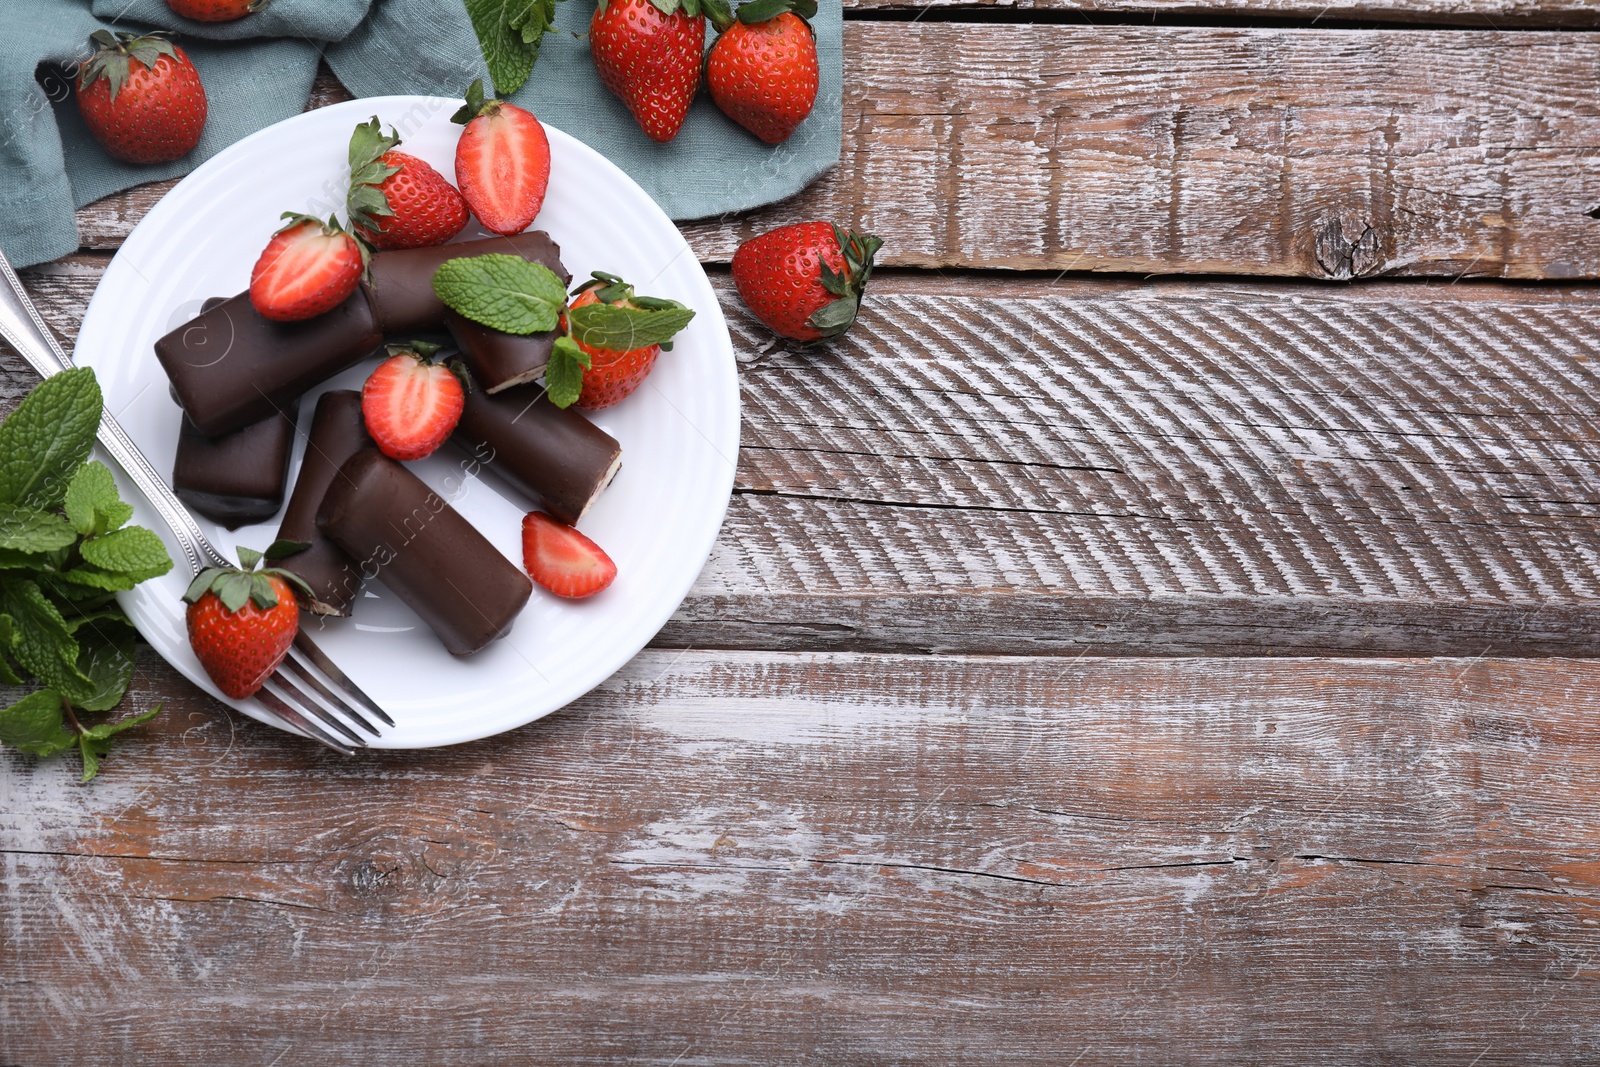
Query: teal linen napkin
[259,70]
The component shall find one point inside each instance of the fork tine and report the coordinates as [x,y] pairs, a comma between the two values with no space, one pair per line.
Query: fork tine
[292,692]
[303,642]
[302,672]
[275,704]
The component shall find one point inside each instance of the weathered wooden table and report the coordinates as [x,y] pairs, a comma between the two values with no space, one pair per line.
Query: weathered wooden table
[1181,663]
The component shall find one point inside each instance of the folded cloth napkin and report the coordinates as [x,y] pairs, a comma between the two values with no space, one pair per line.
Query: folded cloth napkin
[258,70]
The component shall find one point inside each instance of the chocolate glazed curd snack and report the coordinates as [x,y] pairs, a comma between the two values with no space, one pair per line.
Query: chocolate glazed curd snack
[555,456]
[230,367]
[400,283]
[406,535]
[337,433]
[238,478]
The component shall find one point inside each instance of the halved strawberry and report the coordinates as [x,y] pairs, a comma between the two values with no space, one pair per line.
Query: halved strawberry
[410,403]
[308,268]
[502,162]
[562,560]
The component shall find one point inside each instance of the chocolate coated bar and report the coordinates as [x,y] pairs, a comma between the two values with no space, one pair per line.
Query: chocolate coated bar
[433,559]
[500,360]
[337,433]
[400,283]
[238,478]
[230,367]
[556,456]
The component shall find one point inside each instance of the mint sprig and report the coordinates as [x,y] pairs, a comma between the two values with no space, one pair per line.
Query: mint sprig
[503,292]
[509,34]
[64,550]
[618,328]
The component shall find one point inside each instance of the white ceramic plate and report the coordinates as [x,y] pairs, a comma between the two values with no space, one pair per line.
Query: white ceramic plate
[679,432]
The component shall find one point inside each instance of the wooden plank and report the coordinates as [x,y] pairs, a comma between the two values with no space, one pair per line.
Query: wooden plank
[1014,466]
[1315,153]
[1479,14]
[753,858]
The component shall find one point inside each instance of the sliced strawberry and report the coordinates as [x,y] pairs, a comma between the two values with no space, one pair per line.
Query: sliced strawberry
[562,560]
[502,162]
[308,268]
[410,403]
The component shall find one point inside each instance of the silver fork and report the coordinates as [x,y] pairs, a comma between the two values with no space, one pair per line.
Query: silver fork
[335,724]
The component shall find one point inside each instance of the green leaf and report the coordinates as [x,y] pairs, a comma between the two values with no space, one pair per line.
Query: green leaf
[95,741]
[35,725]
[82,582]
[24,561]
[28,530]
[8,638]
[111,729]
[365,202]
[105,656]
[133,551]
[44,644]
[233,591]
[833,318]
[92,503]
[762,10]
[503,292]
[90,751]
[47,437]
[621,329]
[563,376]
[509,34]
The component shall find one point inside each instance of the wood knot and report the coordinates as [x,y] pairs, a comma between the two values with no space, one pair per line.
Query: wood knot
[1343,257]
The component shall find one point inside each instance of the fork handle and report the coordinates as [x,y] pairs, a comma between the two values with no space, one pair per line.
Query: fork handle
[24,330]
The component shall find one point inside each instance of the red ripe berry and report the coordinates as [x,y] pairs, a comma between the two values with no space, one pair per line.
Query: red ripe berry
[502,162]
[141,98]
[762,70]
[396,200]
[308,268]
[650,58]
[805,281]
[215,10]
[563,560]
[411,404]
[242,621]
[612,376]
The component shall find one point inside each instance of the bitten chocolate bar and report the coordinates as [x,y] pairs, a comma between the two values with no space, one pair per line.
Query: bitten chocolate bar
[337,433]
[557,457]
[500,360]
[239,477]
[406,535]
[400,283]
[230,367]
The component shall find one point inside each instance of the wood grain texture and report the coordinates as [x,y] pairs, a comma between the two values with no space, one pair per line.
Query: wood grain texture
[1480,14]
[992,466]
[1315,153]
[725,858]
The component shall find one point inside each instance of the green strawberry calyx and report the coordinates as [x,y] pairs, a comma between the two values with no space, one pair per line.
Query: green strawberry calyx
[712,9]
[114,53]
[758,11]
[477,103]
[235,586]
[330,228]
[858,250]
[365,203]
[424,351]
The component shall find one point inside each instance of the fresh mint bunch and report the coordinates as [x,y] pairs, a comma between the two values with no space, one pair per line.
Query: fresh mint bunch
[509,34]
[64,553]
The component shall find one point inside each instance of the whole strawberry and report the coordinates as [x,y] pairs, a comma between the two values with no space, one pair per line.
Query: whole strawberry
[215,10]
[648,53]
[762,71]
[410,403]
[396,200]
[308,268]
[502,162]
[243,620]
[141,98]
[805,281]
[619,336]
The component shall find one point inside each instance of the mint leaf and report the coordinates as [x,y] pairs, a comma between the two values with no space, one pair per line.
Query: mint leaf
[90,751]
[95,742]
[110,729]
[105,656]
[133,552]
[34,725]
[92,503]
[44,644]
[503,292]
[8,640]
[80,583]
[23,561]
[563,375]
[509,34]
[45,439]
[24,529]
[622,329]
